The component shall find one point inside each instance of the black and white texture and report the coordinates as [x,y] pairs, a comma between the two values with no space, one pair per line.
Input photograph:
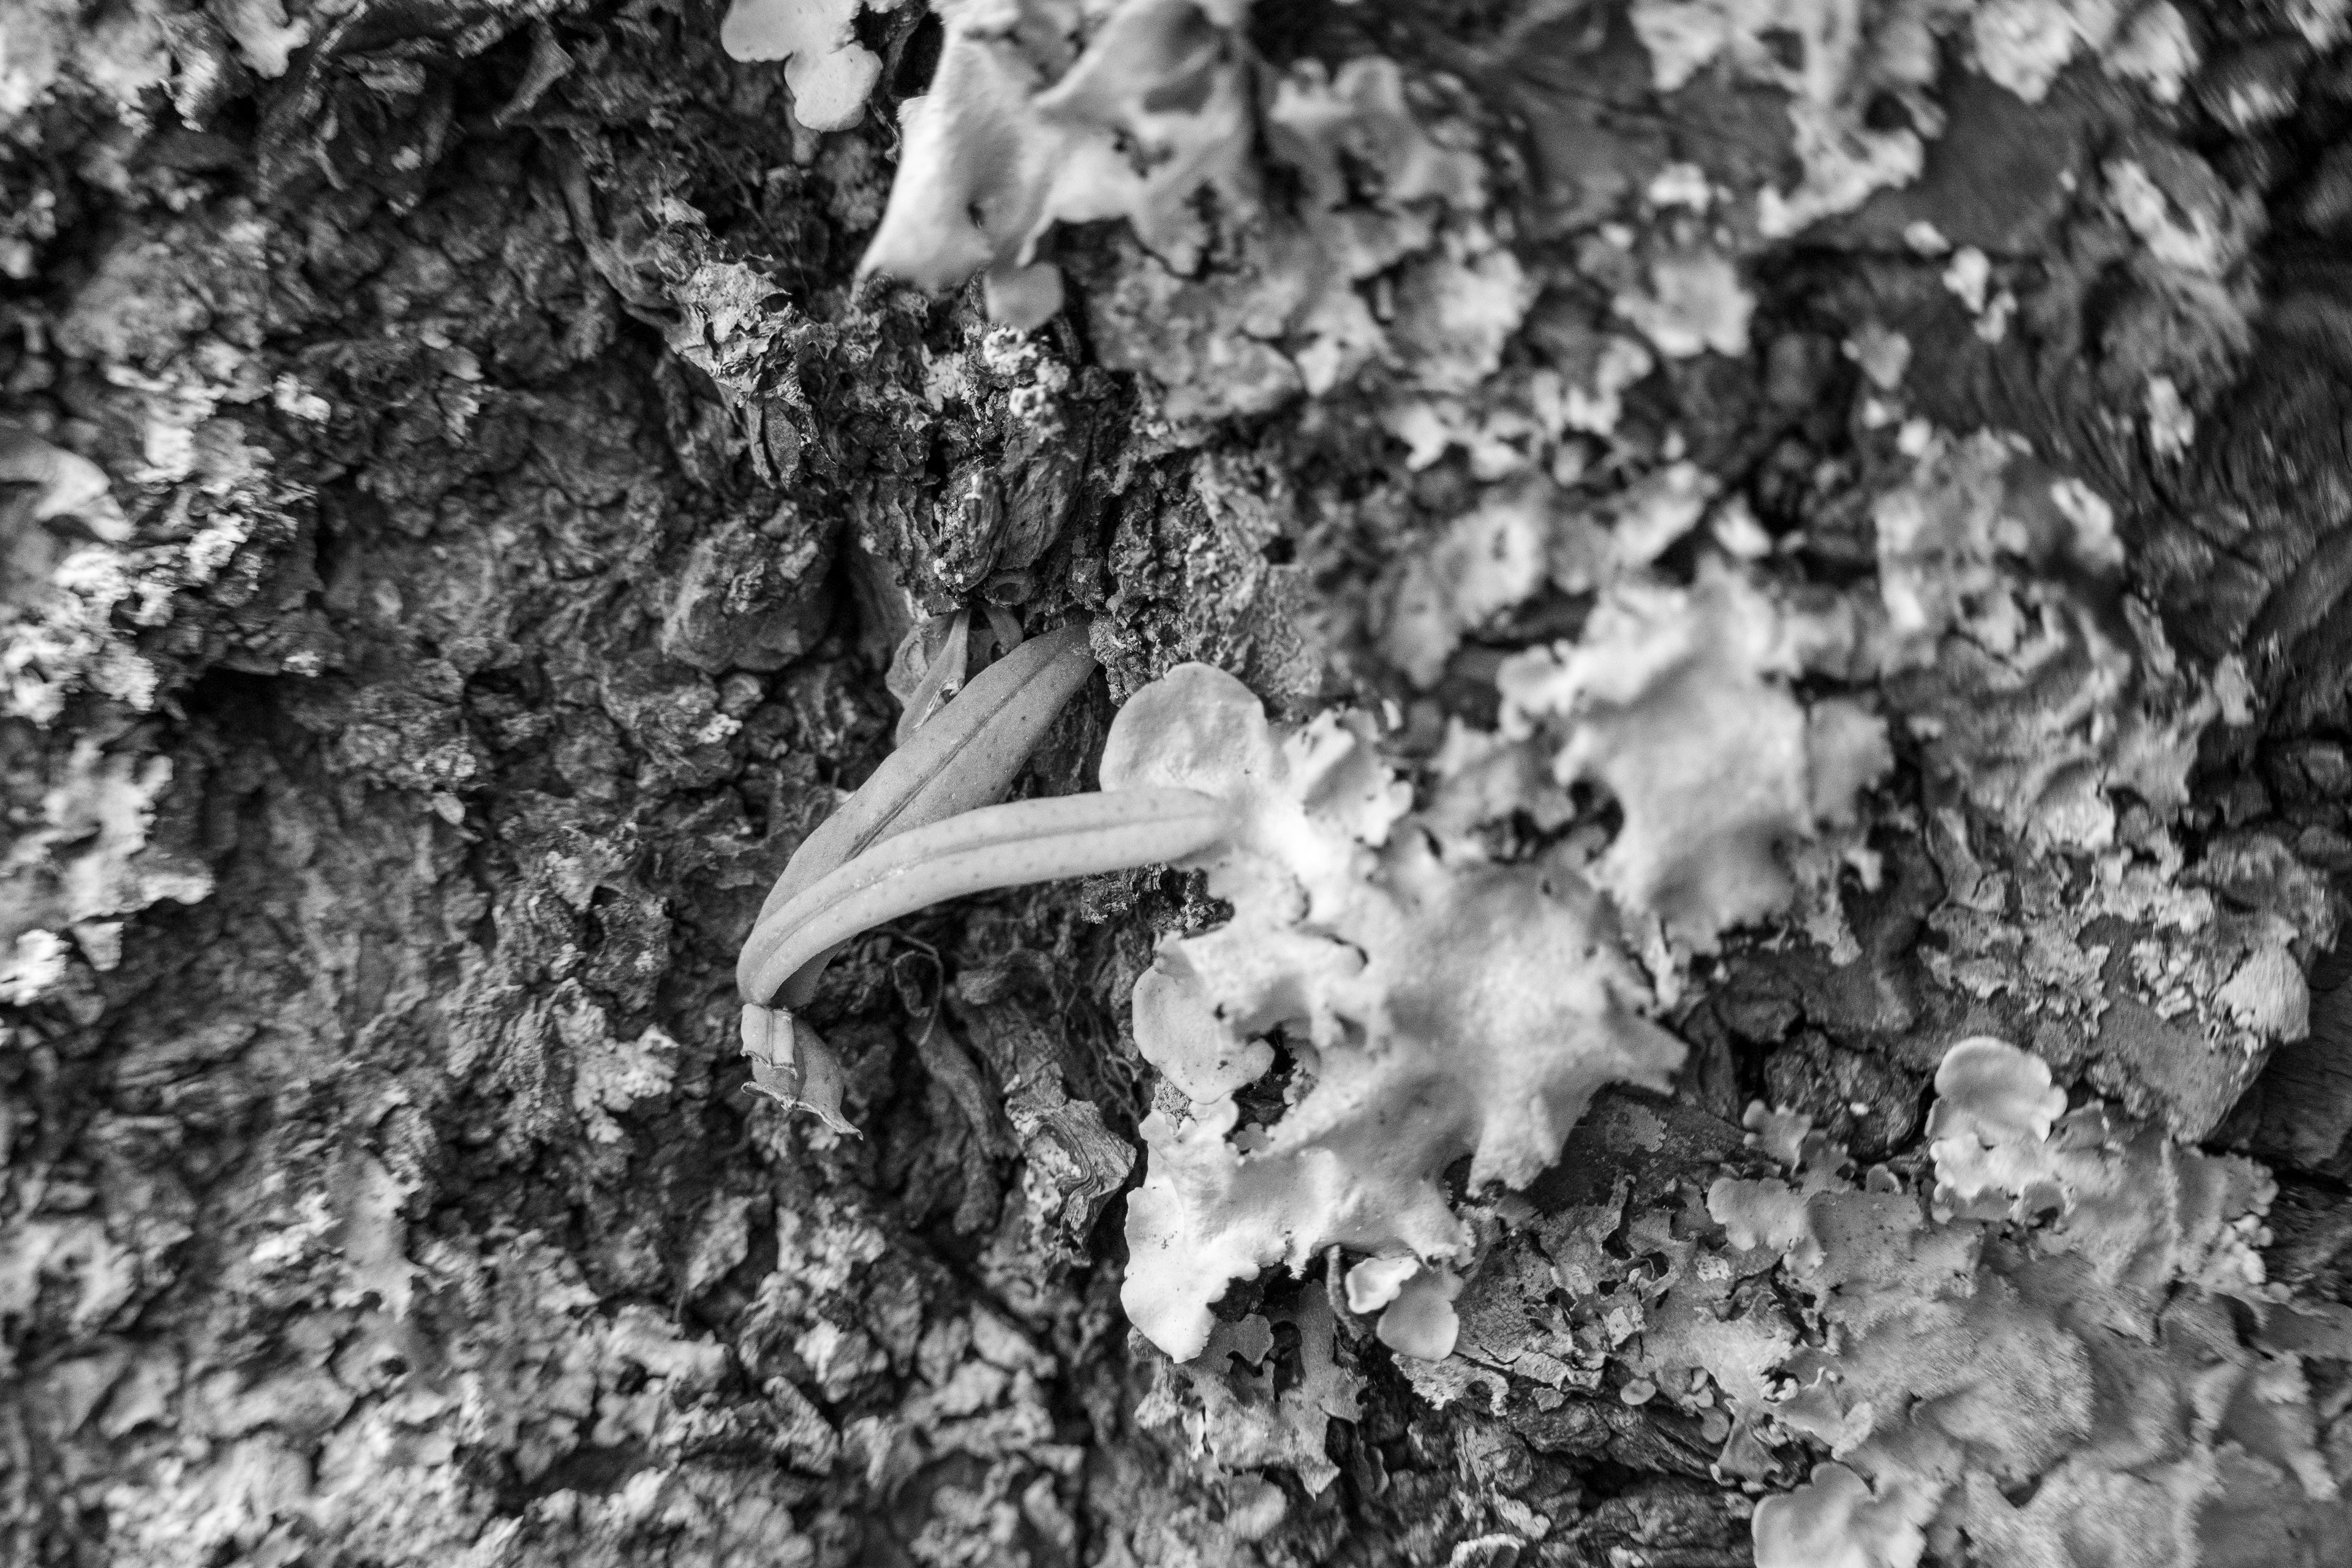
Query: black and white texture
[1770,575]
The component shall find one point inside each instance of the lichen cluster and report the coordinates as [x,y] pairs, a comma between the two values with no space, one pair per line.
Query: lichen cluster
[1775,569]
[1995,629]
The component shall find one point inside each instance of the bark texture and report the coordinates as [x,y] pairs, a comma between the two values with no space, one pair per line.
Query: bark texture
[516,503]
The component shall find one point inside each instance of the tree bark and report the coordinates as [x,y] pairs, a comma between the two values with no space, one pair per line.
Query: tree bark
[516,503]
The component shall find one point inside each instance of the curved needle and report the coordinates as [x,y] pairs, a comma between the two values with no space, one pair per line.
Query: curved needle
[995,847]
[964,756]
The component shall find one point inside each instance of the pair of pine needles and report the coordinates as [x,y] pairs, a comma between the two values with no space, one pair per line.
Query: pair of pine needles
[930,824]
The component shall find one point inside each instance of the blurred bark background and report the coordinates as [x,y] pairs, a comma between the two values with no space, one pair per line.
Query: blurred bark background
[510,507]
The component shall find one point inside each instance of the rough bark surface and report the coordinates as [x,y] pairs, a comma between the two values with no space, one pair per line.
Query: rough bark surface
[516,505]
